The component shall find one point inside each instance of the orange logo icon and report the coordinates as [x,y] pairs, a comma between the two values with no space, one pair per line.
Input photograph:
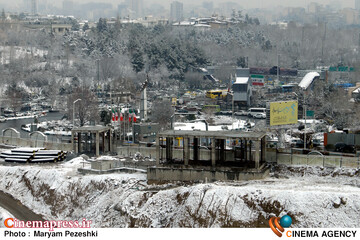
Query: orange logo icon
[277,224]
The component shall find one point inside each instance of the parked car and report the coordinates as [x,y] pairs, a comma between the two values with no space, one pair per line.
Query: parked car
[225,113]
[2,119]
[182,110]
[260,115]
[345,148]
[241,113]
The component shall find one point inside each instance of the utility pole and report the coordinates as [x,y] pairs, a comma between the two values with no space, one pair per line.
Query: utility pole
[74,111]
[322,45]
[232,100]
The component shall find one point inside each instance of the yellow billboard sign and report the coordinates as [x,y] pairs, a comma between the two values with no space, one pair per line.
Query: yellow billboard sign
[282,113]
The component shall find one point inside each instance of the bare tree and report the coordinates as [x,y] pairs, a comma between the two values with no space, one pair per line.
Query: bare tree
[14,95]
[161,113]
[86,109]
[194,80]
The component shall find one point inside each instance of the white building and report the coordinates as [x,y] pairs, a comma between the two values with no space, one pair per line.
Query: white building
[242,91]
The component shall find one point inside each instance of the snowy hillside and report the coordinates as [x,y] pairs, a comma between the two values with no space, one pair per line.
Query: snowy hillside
[311,196]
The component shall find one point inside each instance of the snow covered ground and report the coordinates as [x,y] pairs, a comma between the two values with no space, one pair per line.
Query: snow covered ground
[4,215]
[313,197]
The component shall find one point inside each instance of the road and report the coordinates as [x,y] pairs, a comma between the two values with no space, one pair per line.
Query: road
[18,210]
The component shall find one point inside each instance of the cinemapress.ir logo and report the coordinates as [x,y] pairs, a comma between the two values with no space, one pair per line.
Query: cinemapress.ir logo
[278,224]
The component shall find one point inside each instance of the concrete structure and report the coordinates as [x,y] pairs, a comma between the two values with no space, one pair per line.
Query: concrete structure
[60,28]
[136,8]
[120,97]
[38,137]
[96,138]
[242,89]
[176,11]
[26,142]
[11,132]
[209,155]
[145,132]
[104,165]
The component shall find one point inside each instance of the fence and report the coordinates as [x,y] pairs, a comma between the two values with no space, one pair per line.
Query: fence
[27,142]
[319,160]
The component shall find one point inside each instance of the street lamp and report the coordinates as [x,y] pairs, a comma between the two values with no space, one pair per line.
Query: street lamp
[74,110]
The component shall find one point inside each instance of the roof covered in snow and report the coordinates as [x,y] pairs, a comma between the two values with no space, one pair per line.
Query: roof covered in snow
[308,79]
[242,80]
[97,128]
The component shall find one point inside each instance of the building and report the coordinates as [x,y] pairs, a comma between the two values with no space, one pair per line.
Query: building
[209,156]
[34,7]
[92,139]
[313,7]
[242,90]
[357,5]
[351,16]
[136,8]
[176,12]
[123,10]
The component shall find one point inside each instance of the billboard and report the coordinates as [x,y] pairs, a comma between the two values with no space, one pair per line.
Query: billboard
[282,113]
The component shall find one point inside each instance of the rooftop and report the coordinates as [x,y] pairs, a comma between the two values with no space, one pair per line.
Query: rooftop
[214,134]
[241,80]
[92,129]
[308,79]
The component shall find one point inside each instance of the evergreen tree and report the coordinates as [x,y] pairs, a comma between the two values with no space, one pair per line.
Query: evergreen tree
[101,25]
[85,27]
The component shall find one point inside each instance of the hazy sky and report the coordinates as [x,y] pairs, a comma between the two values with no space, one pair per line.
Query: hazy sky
[166,3]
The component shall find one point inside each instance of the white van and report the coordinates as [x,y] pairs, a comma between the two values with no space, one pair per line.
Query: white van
[253,111]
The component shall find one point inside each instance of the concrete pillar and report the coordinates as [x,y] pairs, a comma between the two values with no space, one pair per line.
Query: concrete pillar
[169,147]
[263,149]
[186,151]
[103,142]
[222,150]
[157,151]
[73,141]
[110,140]
[196,149]
[86,142]
[257,154]
[213,152]
[79,142]
[97,143]
[246,150]
[250,150]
